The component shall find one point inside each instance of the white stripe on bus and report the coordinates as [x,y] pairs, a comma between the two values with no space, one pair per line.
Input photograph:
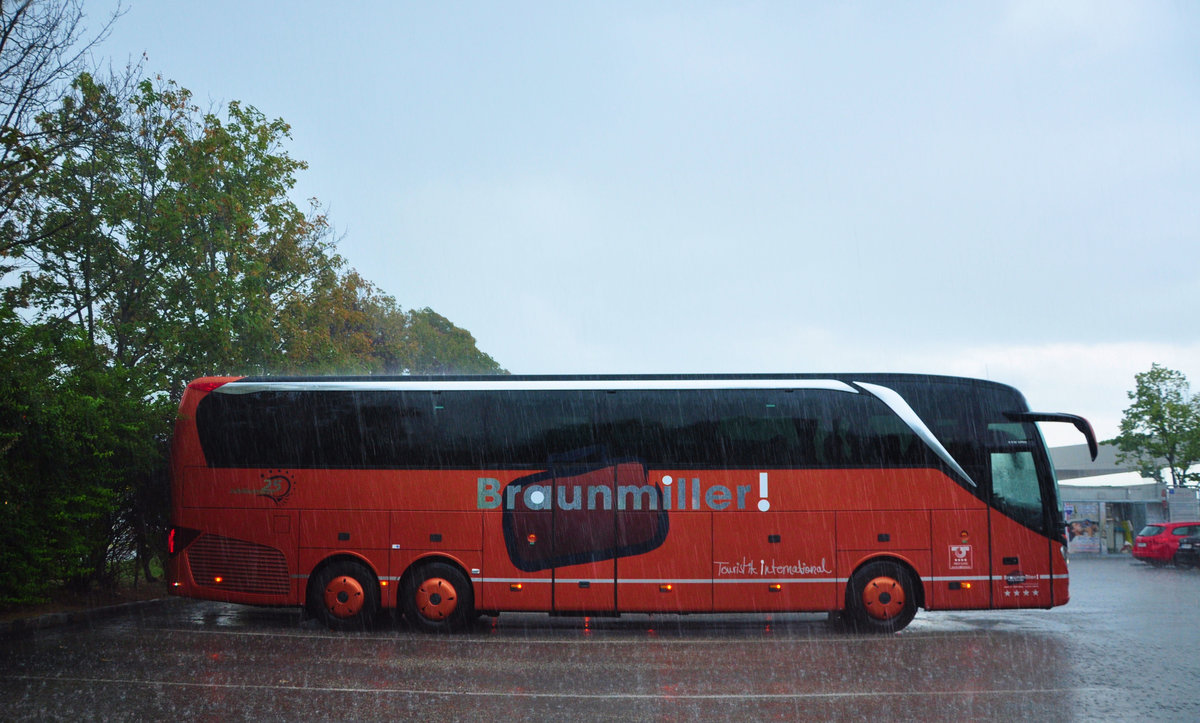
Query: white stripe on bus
[532,385]
[725,581]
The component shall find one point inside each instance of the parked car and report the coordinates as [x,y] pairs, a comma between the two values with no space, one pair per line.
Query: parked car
[1158,544]
[1188,554]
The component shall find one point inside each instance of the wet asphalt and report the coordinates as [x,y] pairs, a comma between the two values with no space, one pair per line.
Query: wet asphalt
[1127,646]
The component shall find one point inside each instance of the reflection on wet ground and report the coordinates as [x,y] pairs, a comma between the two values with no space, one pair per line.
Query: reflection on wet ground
[211,660]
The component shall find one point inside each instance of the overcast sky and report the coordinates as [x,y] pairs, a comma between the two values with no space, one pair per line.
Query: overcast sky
[1006,190]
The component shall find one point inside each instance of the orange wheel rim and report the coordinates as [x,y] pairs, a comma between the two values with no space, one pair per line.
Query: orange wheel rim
[883,598]
[344,596]
[436,599]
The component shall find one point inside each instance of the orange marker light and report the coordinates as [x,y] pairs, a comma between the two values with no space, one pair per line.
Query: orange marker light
[515,587]
[775,587]
[532,538]
[966,586]
[218,578]
[665,588]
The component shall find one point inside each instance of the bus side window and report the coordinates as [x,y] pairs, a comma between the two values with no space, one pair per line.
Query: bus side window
[396,429]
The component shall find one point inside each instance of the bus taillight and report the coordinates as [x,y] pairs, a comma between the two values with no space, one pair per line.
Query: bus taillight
[179,538]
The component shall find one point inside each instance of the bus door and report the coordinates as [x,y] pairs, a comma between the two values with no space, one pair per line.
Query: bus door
[1020,554]
[602,514]
[571,524]
[584,538]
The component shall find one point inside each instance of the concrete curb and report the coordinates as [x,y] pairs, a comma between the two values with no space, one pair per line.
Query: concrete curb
[12,628]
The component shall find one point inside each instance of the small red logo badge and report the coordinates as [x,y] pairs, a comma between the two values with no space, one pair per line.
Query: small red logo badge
[960,557]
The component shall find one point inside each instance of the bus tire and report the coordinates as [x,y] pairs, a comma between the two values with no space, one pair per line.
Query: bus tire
[881,598]
[344,595]
[437,597]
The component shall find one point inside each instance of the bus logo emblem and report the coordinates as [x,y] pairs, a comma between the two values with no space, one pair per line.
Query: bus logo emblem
[960,557]
[275,487]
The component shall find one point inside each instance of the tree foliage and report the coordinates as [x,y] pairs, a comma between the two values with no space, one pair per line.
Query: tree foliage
[42,46]
[145,241]
[347,325]
[1160,429]
[76,438]
[171,241]
[169,238]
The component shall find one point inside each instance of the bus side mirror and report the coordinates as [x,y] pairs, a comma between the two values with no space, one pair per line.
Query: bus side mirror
[1080,423]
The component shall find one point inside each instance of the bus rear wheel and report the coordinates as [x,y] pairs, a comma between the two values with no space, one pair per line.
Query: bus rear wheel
[437,597]
[344,596]
[881,598]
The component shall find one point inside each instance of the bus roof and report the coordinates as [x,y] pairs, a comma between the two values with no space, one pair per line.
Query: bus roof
[547,382]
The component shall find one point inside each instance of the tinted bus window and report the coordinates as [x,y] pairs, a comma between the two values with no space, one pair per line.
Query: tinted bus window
[397,430]
[273,429]
[759,428]
[710,428]
[506,428]
[321,430]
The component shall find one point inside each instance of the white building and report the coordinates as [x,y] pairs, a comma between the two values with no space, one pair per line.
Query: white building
[1107,502]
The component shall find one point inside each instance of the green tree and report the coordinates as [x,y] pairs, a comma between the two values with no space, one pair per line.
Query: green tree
[43,45]
[75,432]
[345,324]
[434,345]
[159,243]
[1161,427]
[170,238]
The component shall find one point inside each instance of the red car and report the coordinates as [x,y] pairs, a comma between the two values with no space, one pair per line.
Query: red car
[1157,544]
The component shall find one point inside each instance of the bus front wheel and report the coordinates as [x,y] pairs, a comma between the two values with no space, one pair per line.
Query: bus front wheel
[344,596]
[438,597]
[881,598]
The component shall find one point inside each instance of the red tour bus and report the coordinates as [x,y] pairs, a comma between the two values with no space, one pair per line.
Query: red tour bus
[446,498]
